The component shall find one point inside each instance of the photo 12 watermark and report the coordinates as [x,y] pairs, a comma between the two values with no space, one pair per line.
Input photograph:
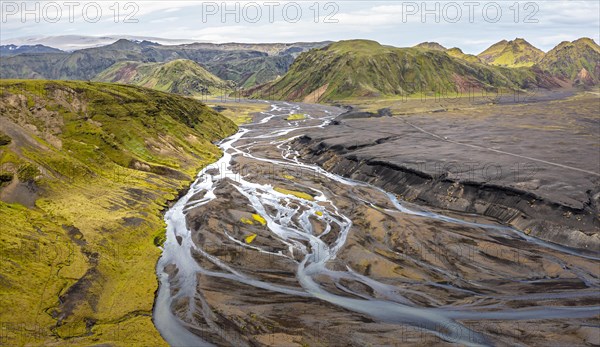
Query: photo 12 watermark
[69,11]
[269,12]
[468,11]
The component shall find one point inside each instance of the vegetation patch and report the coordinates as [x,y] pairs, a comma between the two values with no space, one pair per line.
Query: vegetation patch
[250,238]
[363,68]
[295,193]
[239,112]
[247,221]
[107,163]
[296,116]
[259,219]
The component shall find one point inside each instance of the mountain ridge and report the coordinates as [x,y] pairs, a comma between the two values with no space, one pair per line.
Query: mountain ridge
[253,65]
[360,68]
[578,61]
[10,50]
[514,53]
[431,45]
[246,64]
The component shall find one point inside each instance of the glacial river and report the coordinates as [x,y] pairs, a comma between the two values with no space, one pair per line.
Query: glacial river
[336,261]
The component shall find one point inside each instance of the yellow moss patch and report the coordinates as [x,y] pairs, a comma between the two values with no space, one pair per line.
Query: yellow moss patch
[239,112]
[247,221]
[250,238]
[296,116]
[295,193]
[259,219]
[288,177]
[319,213]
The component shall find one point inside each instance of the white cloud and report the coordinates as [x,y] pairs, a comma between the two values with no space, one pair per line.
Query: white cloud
[377,20]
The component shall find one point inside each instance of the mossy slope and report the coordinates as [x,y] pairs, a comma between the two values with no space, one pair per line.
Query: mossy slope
[81,223]
[179,76]
[515,53]
[571,60]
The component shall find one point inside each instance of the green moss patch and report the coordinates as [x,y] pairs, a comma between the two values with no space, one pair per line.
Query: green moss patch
[106,163]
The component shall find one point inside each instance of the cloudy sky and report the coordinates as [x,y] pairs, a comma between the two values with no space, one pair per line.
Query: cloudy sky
[471,25]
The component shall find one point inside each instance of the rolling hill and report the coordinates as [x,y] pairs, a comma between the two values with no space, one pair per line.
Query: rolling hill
[577,61]
[246,64]
[87,169]
[361,68]
[179,76]
[515,53]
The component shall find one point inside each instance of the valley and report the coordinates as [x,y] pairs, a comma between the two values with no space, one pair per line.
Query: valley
[269,249]
[346,193]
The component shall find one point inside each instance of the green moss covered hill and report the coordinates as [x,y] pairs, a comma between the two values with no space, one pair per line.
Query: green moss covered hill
[86,171]
[578,61]
[515,53]
[179,76]
[362,68]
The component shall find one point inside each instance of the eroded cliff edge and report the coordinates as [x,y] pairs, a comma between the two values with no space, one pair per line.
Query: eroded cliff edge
[534,167]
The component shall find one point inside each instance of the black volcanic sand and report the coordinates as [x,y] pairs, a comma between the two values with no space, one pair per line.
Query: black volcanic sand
[534,165]
[429,262]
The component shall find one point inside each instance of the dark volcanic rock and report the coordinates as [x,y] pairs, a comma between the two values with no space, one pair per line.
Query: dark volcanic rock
[544,184]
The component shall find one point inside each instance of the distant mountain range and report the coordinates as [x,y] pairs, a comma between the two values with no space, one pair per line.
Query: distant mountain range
[313,70]
[10,50]
[245,64]
[71,43]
